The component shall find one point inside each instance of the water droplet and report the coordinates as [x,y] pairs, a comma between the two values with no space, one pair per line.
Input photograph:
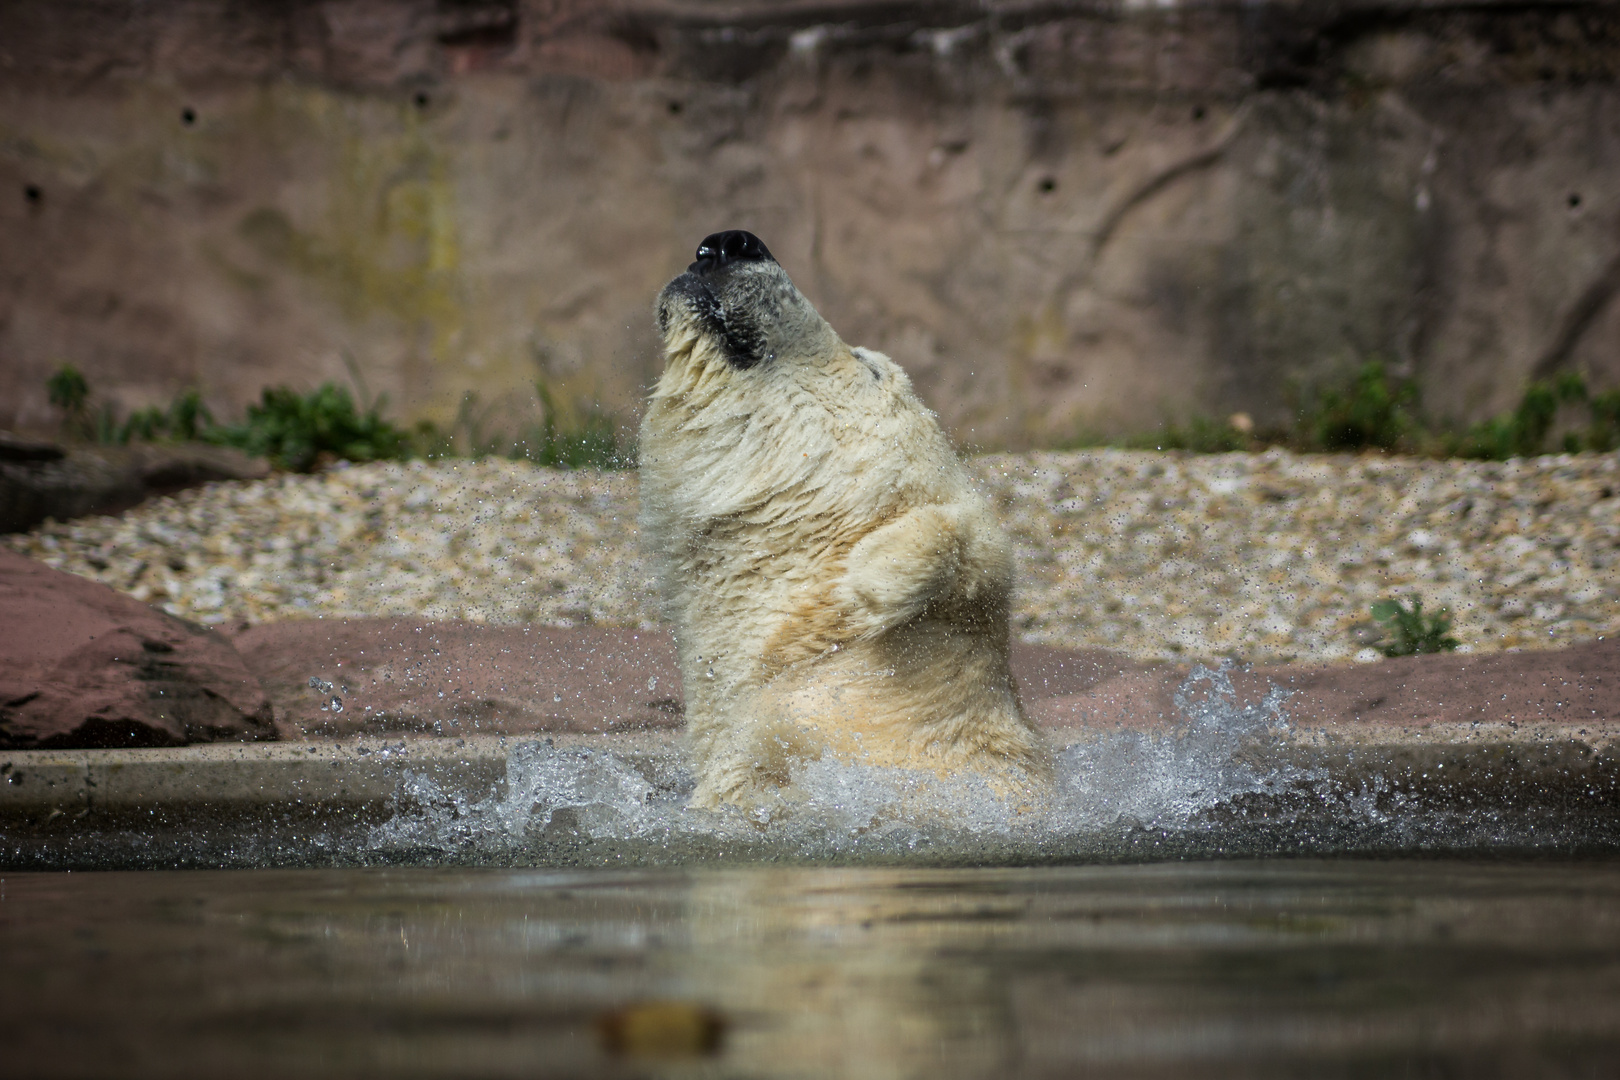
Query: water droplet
[336,704]
[556,697]
[652,684]
[711,673]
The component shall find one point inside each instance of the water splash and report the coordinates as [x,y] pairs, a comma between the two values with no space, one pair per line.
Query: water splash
[598,792]
[1163,780]
[1127,779]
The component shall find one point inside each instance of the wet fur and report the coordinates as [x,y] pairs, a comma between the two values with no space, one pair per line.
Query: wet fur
[834,582]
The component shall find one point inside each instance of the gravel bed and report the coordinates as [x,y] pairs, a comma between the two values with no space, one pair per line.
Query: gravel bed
[1265,557]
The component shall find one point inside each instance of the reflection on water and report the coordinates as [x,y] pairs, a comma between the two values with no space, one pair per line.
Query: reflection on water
[1227,969]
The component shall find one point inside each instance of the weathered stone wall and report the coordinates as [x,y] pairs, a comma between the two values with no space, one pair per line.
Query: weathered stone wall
[1059,216]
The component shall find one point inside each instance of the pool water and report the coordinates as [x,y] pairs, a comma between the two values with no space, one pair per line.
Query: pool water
[1177,903]
[1344,967]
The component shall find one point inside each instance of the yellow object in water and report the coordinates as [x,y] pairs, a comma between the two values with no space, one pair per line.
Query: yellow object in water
[662,1029]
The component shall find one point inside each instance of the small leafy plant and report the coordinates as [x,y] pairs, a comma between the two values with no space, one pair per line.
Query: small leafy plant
[297,431]
[1523,432]
[68,389]
[186,418]
[1411,632]
[1374,410]
[294,430]
[1603,433]
[1370,412]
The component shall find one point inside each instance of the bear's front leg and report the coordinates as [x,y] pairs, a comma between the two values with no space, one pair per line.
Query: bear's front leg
[925,555]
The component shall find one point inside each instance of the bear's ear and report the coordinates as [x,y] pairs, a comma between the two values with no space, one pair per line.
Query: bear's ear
[877,363]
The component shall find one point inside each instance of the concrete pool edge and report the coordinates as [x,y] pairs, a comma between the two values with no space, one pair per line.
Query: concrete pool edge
[339,773]
[1461,759]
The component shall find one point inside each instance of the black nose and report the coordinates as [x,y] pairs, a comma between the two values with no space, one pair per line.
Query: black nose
[733,245]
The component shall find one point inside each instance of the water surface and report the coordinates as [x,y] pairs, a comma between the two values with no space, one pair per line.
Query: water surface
[1265,968]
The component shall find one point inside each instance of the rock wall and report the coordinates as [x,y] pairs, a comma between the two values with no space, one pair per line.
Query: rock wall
[1061,217]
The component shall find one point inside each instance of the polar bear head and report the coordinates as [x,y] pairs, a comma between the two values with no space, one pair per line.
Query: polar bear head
[736,305]
[759,395]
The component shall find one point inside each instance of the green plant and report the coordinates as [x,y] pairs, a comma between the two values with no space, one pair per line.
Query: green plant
[185,418]
[1412,632]
[1374,411]
[67,389]
[144,425]
[1370,411]
[293,430]
[188,417]
[1603,432]
[1523,432]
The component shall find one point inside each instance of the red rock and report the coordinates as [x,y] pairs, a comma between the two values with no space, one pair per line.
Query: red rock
[450,678]
[1566,687]
[84,666]
[405,675]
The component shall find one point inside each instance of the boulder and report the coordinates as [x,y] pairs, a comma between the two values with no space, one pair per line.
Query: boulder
[39,480]
[84,666]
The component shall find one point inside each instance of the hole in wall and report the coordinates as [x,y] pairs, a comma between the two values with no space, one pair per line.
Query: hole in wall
[675,108]
[1574,199]
[1198,112]
[1047,185]
[188,116]
[32,194]
[421,98]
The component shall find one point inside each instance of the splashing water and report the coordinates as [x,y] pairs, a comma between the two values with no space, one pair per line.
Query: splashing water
[597,791]
[568,796]
[1164,780]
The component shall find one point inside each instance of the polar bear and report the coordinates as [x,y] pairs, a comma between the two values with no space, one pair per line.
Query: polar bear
[835,583]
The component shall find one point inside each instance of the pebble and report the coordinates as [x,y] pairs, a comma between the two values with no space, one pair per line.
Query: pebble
[1266,557]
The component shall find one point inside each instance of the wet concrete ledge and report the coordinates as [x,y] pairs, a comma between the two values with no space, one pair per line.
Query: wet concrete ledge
[1466,762]
[339,774]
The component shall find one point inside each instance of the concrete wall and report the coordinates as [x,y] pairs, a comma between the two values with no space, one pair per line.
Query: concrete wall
[1060,217]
